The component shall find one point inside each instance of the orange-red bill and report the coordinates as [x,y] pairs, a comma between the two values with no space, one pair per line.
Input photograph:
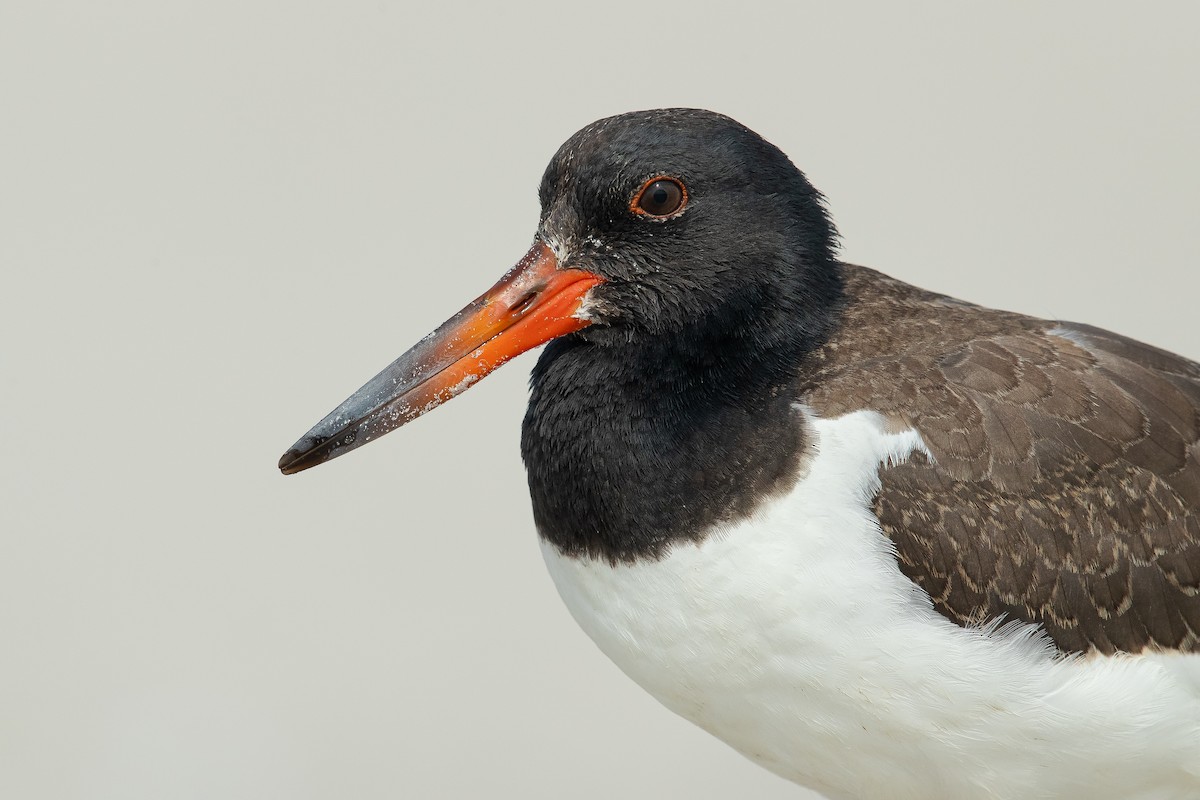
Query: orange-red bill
[532,304]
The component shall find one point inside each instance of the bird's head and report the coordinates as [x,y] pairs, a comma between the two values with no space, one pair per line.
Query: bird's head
[658,228]
[690,218]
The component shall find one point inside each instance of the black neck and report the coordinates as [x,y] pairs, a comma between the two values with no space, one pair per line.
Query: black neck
[631,449]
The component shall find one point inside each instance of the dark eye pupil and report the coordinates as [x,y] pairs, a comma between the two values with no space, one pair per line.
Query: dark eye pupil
[661,198]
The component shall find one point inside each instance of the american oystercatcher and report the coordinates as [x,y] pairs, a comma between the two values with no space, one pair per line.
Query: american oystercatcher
[885,543]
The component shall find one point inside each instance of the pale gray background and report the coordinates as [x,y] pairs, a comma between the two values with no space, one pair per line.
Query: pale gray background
[218,219]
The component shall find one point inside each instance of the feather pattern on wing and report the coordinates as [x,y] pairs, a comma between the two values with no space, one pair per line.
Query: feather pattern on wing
[1064,487]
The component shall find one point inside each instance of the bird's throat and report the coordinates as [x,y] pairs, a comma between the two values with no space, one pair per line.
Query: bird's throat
[625,459]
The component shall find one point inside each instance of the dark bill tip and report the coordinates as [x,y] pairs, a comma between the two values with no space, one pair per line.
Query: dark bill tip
[302,455]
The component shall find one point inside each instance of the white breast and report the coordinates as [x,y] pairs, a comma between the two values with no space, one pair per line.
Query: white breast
[794,637]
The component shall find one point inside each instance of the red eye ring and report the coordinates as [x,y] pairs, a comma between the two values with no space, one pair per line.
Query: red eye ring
[660,198]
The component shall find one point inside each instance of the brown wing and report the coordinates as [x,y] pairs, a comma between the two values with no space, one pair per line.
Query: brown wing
[1065,485]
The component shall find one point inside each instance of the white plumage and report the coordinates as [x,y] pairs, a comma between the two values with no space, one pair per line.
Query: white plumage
[794,637]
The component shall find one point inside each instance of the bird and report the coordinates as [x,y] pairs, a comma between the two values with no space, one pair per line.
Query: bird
[883,542]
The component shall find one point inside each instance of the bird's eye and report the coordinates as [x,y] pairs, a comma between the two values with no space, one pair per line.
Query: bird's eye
[659,198]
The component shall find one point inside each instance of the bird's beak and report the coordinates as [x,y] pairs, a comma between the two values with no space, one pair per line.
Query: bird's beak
[532,304]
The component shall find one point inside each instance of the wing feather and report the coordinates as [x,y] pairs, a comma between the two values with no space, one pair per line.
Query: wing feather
[1064,487]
